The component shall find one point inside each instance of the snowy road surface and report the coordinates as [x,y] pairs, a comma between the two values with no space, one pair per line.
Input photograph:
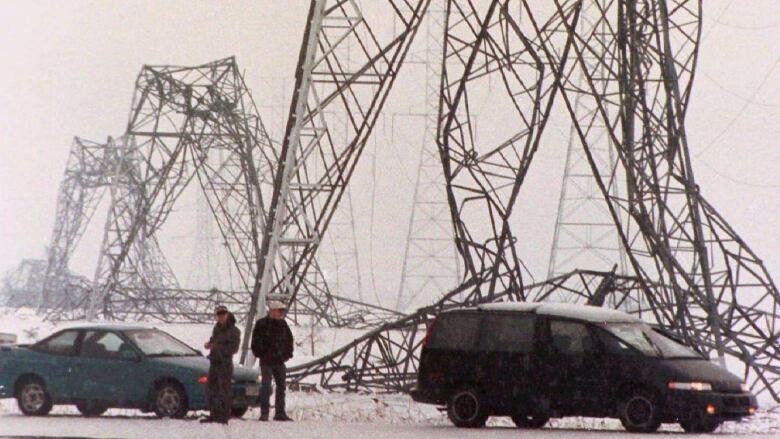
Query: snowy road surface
[148,428]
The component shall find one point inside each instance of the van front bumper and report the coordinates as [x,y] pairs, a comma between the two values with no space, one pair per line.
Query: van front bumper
[722,406]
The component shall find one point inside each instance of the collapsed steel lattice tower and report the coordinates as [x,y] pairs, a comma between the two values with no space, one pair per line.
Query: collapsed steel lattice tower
[313,168]
[688,270]
[186,123]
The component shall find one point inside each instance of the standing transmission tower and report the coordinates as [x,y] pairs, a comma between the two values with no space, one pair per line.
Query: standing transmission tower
[430,265]
[585,236]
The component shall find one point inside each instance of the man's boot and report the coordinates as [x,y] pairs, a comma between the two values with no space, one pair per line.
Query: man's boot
[264,416]
[282,417]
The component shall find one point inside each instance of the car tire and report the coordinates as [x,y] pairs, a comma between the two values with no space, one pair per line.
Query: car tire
[699,425]
[91,408]
[639,412]
[238,412]
[530,422]
[465,409]
[169,400]
[33,398]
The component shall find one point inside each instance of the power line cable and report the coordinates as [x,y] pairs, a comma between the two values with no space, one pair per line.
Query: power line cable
[736,181]
[741,111]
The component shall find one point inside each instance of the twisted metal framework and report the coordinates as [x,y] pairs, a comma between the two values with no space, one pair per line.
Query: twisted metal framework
[345,67]
[88,173]
[689,271]
[22,286]
[187,123]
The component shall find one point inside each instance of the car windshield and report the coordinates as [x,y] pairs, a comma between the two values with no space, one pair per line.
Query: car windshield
[156,343]
[650,342]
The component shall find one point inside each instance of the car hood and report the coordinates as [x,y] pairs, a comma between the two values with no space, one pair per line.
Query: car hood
[704,371]
[201,364]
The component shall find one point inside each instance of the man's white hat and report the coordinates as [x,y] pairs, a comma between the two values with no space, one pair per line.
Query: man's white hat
[276,304]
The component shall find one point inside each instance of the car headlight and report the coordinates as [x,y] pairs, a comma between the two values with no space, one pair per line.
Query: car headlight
[744,387]
[695,386]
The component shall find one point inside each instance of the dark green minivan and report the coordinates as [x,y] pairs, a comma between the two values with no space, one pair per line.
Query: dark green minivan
[536,361]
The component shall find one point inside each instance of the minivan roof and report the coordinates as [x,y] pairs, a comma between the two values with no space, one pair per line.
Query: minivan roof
[583,312]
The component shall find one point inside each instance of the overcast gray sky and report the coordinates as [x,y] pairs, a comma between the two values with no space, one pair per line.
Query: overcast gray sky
[69,69]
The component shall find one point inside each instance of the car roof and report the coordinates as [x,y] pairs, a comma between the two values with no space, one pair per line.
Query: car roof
[567,310]
[105,326]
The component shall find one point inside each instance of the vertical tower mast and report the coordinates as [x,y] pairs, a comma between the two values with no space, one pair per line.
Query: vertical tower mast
[430,265]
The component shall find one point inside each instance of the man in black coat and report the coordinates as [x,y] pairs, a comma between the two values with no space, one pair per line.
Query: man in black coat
[272,344]
[222,345]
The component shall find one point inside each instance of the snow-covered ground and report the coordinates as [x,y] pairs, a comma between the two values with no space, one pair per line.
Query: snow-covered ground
[318,415]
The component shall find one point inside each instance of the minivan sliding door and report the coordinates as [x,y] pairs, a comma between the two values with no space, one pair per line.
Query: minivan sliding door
[505,346]
[575,369]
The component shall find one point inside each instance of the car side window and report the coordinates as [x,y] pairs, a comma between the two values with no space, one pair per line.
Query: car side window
[571,338]
[508,333]
[455,332]
[102,344]
[61,344]
[612,344]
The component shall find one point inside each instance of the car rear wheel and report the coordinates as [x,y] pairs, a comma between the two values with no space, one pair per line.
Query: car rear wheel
[639,412]
[525,421]
[33,399]
[238,412]
[465,409]
[169,401]
[91,408]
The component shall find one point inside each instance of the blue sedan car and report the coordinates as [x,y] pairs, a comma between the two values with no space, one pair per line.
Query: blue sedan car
[103,366]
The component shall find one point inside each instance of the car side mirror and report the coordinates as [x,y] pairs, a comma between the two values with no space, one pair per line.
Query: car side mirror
[129,356]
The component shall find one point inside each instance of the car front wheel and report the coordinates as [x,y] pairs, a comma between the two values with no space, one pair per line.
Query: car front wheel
[169,401]
[33,399]
[465,409]
[639,412]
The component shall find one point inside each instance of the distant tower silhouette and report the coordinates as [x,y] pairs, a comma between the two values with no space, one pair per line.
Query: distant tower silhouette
[430,266]
[585,235]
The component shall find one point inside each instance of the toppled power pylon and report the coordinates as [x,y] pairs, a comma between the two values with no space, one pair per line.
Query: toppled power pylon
[688,270]
[188,125]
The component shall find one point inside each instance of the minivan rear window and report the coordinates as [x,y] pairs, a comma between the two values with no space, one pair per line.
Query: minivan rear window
[508,333]
[455,332]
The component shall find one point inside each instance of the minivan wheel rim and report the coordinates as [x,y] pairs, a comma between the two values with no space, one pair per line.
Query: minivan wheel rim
[639,411]
[33,397]
[465,406]
[168,401]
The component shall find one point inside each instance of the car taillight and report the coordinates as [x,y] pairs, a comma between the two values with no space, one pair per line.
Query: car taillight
[428,333]
[203,379]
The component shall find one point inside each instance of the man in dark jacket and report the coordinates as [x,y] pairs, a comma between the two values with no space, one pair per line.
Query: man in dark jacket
[272,344]
[222,345]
